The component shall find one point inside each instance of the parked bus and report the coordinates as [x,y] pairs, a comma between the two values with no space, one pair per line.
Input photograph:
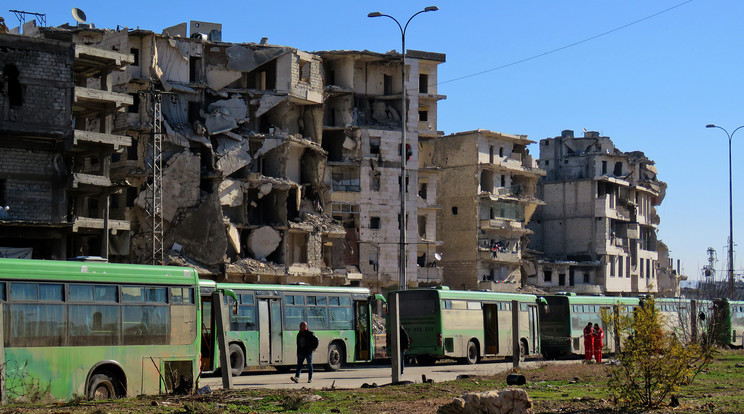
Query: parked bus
[466,325]
[563,318]
[730,317]
[99,330]
[265,320]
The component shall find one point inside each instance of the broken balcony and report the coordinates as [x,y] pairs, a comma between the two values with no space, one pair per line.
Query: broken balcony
[81,138]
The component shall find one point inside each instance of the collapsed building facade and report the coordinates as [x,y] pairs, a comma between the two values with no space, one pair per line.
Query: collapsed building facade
[242,170]
[250,162]
[596,233]
[362,136]
[487,197]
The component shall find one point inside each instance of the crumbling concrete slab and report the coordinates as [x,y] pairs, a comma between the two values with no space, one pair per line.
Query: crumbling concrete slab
[233,236]
[267,102]
[200,227]
[175,137]
[226,114]
[245,59]
[234,159]
[263,241]
[231,193]
[218,78]
[181,179]
[169,63]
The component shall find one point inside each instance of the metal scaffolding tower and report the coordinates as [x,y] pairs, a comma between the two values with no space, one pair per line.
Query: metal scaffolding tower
[154,205]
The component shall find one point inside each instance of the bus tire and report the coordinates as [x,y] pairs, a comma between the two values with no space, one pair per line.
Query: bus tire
[472,353]
[237,360]
[102,387]
[335,357]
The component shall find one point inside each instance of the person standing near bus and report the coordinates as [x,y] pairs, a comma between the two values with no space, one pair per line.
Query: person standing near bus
[307,343]
[405,341]
[598,334]
[588,342]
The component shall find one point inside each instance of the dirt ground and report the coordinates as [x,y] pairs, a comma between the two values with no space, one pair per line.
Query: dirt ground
[565,388]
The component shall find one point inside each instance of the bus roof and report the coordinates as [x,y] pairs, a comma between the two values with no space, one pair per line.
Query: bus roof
[475,295]
[54,270]
[285,288]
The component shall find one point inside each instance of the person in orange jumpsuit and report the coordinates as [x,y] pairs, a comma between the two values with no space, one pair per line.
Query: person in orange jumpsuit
[598,334]
[588,342]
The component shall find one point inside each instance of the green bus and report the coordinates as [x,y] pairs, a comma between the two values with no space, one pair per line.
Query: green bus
[466,325]
[564,316]
[265,320]
[98,330]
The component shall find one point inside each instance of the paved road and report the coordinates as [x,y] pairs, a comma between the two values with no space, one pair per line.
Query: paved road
[356,375]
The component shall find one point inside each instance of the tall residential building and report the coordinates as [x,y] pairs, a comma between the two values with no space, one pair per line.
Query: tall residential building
[487,197]
[596,232]
[362,136]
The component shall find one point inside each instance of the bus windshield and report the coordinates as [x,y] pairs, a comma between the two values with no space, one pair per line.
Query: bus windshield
[418,303]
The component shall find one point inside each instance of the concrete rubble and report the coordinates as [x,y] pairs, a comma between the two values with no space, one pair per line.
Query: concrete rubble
[508,401]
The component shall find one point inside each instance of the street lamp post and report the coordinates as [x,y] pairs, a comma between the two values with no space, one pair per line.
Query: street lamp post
[393,308]
[731,213]
[404,112]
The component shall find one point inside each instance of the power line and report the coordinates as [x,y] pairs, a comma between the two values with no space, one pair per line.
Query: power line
[569,45]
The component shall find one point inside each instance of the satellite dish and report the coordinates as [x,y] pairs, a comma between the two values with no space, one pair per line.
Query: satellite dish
[437,256]
[78,15]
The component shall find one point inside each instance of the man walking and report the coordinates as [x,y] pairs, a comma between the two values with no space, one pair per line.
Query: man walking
[588,342]
[307,343]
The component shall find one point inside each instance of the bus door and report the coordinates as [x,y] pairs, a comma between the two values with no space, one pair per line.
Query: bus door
[363,330]
[491,327]
[534,333]
[208,343]
[269,331]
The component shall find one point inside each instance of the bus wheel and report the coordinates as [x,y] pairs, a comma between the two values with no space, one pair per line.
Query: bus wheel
[237,360]
[335,357]
[102,387]
[472,357]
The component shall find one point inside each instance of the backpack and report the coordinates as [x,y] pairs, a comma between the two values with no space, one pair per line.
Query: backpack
[314,342]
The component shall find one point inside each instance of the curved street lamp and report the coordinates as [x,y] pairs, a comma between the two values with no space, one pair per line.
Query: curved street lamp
[403,184]
[731,213]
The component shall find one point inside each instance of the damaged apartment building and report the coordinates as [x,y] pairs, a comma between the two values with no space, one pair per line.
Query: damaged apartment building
[596,232]
[362,137]
[229,136]
[487,197]
[57,133]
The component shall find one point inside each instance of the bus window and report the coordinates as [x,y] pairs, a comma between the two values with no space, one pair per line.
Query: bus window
[293,315]
[182,295]
[317,317]
[146,325]
[156,294]
[345,301]
[474,305]
[321,300]
[2,291]
[132,294]
[23,291]
[446,304]
[36,324]
[333,301]
[340,317]
[92,325]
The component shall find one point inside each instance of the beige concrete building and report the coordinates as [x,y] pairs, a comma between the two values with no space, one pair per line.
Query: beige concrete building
[596,232]
[487,197]
[362,136]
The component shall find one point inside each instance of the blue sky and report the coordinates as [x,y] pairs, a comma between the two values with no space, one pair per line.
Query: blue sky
[651,86]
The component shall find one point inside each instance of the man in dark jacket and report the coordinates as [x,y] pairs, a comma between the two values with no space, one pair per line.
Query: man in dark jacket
[307,343]
[405,341]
